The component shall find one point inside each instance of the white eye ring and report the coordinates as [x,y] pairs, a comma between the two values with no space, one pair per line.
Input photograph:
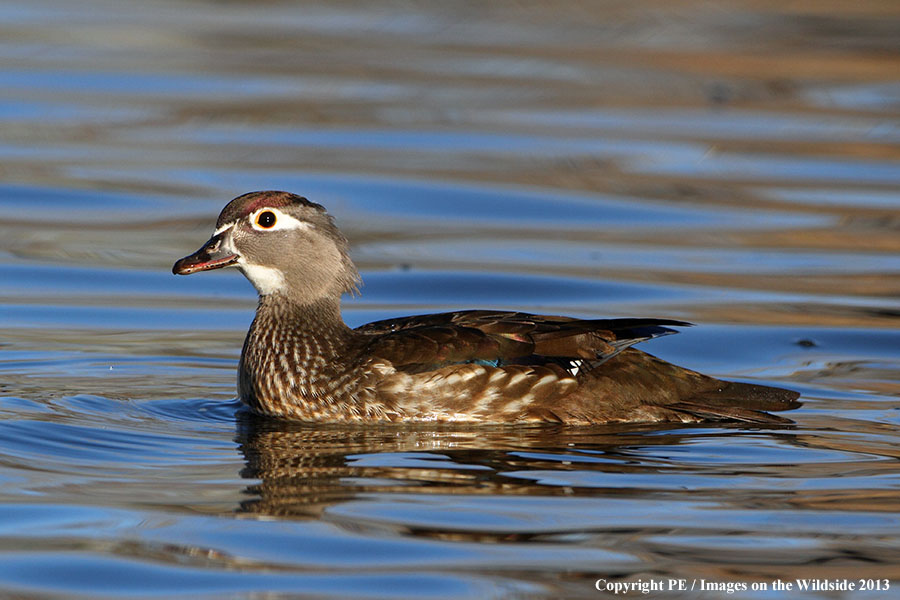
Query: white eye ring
[266,219]
[283,221]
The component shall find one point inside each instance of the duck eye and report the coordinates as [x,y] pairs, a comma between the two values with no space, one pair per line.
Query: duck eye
[266,219]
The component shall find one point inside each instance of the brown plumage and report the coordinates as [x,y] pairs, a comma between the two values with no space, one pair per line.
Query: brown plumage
[301,361]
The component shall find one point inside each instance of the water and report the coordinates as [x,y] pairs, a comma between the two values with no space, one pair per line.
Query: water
[736,167]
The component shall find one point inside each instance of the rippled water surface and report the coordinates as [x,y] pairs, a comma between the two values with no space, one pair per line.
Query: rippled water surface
[731,164]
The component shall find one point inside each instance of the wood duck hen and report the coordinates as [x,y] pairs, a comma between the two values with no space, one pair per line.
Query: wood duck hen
[300,361]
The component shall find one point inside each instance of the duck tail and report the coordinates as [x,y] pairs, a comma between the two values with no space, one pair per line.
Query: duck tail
[736,401]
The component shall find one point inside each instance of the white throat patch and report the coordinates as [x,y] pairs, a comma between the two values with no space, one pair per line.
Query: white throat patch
[266,280]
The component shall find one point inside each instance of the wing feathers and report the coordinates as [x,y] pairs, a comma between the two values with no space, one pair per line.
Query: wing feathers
[491,366]
[459,337]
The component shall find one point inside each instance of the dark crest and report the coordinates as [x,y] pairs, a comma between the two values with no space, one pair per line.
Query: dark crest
[247,203]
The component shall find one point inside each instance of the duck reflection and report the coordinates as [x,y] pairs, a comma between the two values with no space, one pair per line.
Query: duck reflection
[302,468]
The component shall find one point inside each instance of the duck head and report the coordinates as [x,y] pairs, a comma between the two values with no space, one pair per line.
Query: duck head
[283,243]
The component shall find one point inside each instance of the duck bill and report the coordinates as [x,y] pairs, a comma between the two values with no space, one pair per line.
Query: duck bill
[214,254]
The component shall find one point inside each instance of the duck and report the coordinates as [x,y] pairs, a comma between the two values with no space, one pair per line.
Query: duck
[300,360]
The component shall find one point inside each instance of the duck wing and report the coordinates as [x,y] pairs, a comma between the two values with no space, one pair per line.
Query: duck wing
[499,338]
[494,366]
